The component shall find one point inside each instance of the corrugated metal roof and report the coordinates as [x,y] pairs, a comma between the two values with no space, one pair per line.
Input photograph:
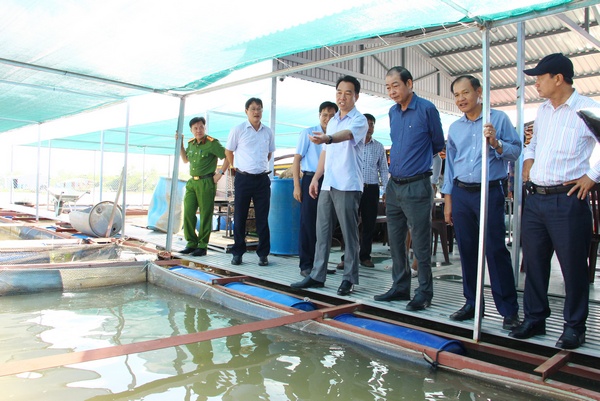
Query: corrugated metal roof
[461,54]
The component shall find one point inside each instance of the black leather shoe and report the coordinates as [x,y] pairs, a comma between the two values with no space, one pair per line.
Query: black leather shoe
[305,273]
[465,313]
[199,252]
[392,295]
[570,339]
[330,271]
[511,322]
[367,263]
[345,288]
[187,251]
[418,303]
[236,260]
[308,282]
[263,261]
[528,329]
[340,265]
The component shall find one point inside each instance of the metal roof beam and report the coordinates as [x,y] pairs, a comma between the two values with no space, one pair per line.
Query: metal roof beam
[573,26]
[18,121]
[441,68]
[54,89]
[350,56]
[537,35]
[85,77]
[514,65]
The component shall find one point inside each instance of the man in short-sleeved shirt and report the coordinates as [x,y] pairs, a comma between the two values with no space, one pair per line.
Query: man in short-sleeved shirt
[341,163]
[253,144]
[202,153]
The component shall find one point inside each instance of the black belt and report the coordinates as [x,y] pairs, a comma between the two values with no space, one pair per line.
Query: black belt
[476,187]
[253,175]
[555,189]
[196,177]
[308,173]
[414,178]
[371,185]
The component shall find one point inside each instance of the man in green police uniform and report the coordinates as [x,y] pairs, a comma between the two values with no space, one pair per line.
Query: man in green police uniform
[202,153]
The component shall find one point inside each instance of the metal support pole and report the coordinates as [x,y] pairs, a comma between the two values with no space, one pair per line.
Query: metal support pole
[124,177]
[273,121]
[479,301]
[518,181]
[143,174]
[175,176]
[101,164]
[37,176]
[12,173]
[48,178]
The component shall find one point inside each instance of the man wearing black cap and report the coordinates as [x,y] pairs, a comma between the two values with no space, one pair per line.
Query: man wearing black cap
[556,216]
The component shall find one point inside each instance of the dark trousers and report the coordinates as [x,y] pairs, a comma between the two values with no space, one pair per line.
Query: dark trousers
[307,237]
[409,205]
[560,223]
[465,215]
[255,188]
[367,210]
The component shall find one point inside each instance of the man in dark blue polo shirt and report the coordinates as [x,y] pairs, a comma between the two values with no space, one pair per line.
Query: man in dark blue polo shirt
[416,133]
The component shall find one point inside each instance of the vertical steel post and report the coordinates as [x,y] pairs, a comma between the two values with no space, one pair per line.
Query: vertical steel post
[479,301]
[37,176]
[175,176]
[518,182]
[124,176]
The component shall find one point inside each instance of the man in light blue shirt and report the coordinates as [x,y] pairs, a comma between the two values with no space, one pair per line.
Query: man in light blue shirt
[341,163]
[306,160]
[416,133]
[462,189]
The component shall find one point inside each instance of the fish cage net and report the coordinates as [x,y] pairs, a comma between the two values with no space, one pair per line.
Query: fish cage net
[73,253]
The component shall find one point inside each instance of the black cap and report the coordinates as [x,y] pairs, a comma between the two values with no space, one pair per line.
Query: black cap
[555,63]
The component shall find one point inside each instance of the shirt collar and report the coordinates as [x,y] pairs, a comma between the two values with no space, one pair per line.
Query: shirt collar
[464,118]
[350,114]
[249,125]
[570,101]
[411,105]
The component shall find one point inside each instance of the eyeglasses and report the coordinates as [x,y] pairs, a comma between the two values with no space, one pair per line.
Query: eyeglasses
[256,109]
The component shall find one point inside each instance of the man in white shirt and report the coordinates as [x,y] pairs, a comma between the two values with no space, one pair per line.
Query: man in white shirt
[253,144]
[557,216]
[341,162]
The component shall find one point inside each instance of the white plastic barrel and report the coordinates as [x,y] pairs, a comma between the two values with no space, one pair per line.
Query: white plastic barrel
[93,221]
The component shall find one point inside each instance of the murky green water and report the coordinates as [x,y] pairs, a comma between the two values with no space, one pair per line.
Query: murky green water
[276,364]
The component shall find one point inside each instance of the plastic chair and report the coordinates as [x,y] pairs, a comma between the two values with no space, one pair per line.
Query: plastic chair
[440,231]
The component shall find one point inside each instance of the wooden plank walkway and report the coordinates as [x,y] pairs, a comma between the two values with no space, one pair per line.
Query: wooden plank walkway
[448,297]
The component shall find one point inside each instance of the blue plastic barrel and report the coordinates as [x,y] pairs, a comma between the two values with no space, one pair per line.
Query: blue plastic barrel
[272,296]
[197,274]
[404,333]
[284,218]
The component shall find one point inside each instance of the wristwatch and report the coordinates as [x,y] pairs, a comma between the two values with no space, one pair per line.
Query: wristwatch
[498,145]
[330,140]
[220,172]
